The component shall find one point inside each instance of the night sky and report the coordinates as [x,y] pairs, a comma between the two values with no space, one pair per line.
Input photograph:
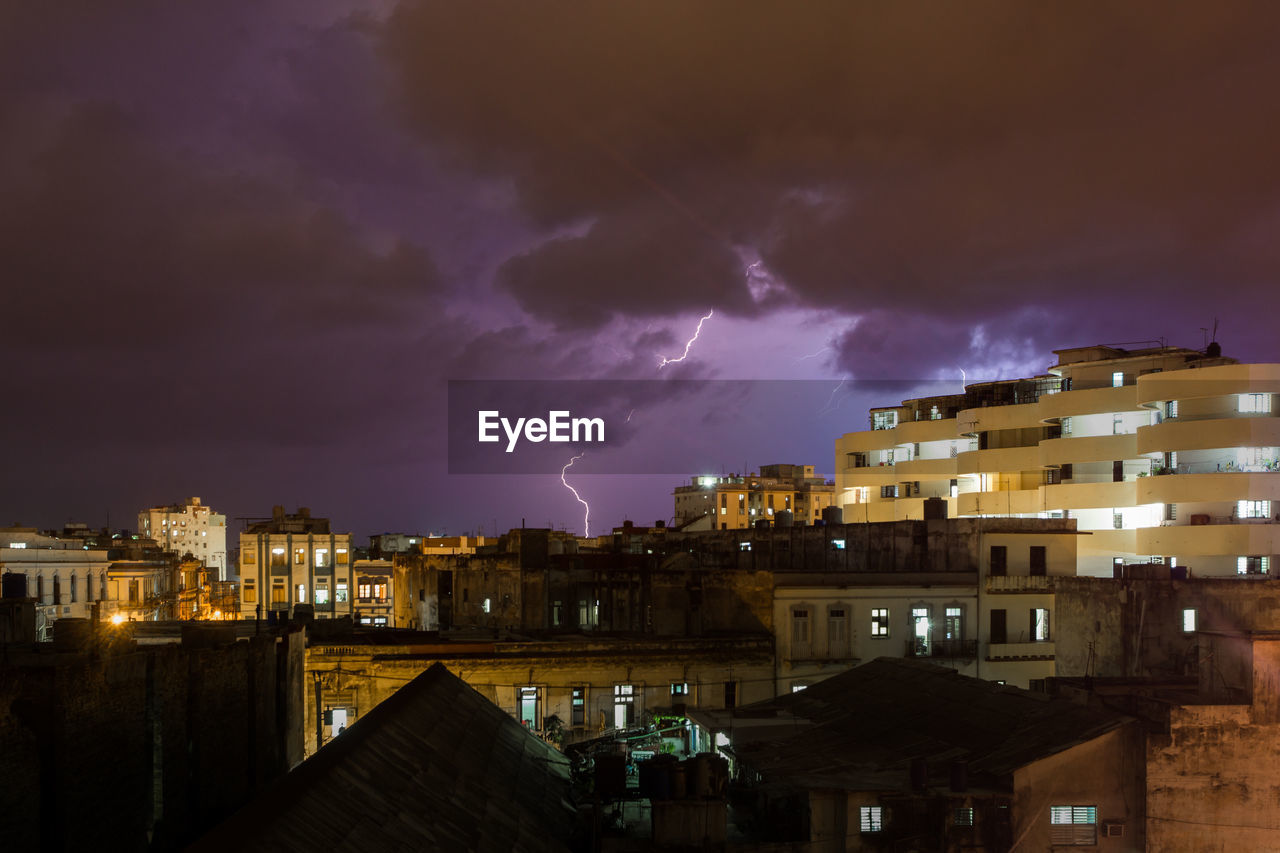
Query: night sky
[244,245]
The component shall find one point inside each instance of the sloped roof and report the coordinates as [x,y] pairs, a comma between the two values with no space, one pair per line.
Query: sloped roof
[436,766]
[860,730]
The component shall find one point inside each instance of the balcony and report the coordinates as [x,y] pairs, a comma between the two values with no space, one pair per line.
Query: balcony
[1018,501]
[999,459]
[1191,483]
[1020,651]
[1210,434]
[917,647]
[1002,584]
[1220,535]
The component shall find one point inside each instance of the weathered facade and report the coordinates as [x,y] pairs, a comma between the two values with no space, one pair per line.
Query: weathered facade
[104,742]
[588,684]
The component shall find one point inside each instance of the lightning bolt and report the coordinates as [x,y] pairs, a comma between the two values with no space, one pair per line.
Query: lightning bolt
[964,380]
[629,414]
[828,407]
[665,361]
[813,354]
[586,519]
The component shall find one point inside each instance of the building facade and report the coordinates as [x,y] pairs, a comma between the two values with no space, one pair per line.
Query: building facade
[295,559]
[190,528]
[1164,455]
[738,501]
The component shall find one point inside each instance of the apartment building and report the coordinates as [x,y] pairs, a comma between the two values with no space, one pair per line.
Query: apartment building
[294,559]
[1162,454]
[189,528]
[65,571]
[738,501]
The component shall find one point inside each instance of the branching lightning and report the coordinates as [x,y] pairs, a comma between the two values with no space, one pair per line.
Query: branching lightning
[830,399]
[665,361]
[586,518]
[964,380]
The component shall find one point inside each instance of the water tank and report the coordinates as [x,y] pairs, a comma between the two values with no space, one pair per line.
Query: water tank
[783,518]
[935,508]
[832,515]
[762,524]
[555,547]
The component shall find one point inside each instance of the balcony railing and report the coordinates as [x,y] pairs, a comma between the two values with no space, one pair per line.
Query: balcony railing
[918,647]
[1018,583]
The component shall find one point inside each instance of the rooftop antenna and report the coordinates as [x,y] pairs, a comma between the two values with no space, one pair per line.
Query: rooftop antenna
[1215,330]
[1204,336]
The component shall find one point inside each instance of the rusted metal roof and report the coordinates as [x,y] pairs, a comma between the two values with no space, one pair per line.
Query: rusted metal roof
[436,766]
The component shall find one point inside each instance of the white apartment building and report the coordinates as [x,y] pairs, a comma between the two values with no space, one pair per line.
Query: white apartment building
[1163,454]
[190,528]
[291,560]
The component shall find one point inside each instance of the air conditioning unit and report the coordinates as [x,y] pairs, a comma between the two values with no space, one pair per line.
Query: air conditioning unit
[1113,829]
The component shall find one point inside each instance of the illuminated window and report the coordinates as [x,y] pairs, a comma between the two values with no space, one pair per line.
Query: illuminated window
[880,622]
[884,420]
[322,558]
[364,590]
[1188,620]
[680,688]
[322,590]
[837,544]
[1253,509]
[300,557]
[250,591]
[340,592]
[578,706]
[1117,379]
[870,818]
[487,605]
[1255,403]
[1252,565]
[302,593]
[1040,624]
[342,556]
[797,686]
[279,595]
[1073,825]
[963,816]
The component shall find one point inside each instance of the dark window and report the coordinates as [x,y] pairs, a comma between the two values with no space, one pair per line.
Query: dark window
[1038,564]
[1117,471]
[999,629]
[999,560]
[1065,471]
[730,695]
[578,707]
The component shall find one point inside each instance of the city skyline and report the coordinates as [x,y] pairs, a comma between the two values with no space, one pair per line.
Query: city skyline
[249,244]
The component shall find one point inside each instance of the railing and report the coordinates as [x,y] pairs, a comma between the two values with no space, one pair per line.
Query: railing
[1018,583]
[918,647]
[1216,468]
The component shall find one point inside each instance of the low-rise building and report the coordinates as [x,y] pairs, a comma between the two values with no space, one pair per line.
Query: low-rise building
[902,754]
[66,572]
[375,603]
[292,559]
[739,500]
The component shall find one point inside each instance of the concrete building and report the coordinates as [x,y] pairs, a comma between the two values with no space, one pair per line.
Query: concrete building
[1211,770]
[738,501]
[66,572]
[190,528]
[903,755]
[108,743]
[290,560]
[970,594]
[589,685]
[375,603]
[1164,454]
